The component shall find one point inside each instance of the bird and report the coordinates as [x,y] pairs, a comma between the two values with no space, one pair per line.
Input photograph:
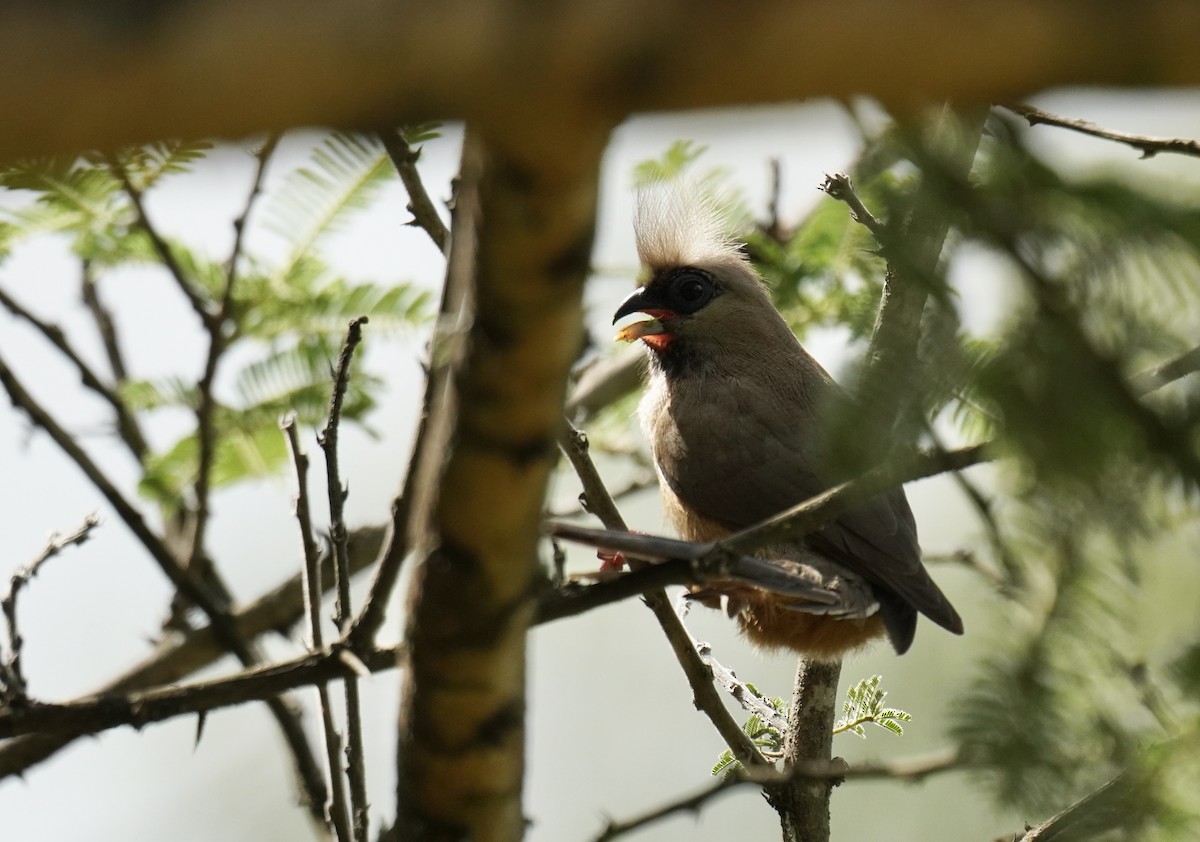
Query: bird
[733,413]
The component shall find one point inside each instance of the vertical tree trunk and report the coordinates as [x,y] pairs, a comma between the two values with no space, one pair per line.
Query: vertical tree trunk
[803,805]
[523,232]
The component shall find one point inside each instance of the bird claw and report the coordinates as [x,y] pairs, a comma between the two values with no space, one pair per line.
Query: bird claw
[610,561]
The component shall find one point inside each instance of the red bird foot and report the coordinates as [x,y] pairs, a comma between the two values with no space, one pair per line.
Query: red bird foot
[610,561]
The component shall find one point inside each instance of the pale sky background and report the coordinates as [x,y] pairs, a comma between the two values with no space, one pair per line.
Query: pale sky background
[612,729]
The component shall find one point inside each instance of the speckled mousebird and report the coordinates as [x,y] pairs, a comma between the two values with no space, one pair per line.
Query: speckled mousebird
[733,413]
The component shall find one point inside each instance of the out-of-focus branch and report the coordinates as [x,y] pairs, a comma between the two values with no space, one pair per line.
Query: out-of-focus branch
[1147,145]
[171,70]
[425,216]
[605,382]
[127,425]
[524,218]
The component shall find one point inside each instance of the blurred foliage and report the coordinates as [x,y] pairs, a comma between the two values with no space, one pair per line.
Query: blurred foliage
[286,318]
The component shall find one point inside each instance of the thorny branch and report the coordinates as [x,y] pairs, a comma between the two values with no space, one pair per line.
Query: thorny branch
[12,678]
[216,325]
[328,438]
[161,247]
[699,676]
[93,714]
[181,655]
[425,216]
[452,315]
[196,590]
[336,813]
[1149,146]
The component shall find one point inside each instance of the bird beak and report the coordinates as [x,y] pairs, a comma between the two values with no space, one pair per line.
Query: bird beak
[642,301]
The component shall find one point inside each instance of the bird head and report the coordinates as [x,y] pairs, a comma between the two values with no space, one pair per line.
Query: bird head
[698,288]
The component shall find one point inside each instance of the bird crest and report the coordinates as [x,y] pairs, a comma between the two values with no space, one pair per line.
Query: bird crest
[681,224]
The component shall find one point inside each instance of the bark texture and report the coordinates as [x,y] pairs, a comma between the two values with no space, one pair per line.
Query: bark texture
[81,75]
[523,232]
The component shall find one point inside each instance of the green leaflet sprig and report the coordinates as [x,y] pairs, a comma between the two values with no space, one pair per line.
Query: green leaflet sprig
[864,706]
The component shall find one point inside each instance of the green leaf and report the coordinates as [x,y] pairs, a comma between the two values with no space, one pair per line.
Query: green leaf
[318,303]
[344,174]
[864,705]
[146,165]
[146,395]
[673,163]
[415,134]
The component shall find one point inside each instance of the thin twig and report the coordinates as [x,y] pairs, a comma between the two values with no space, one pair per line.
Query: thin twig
[750,701]
[838,186]
[328,438]
[425,215]
[196,590]
[105,325]
[127,425]
[336,811]
[12,678]
[93,714]
[1149,146]
[699,676]
[912,769]
[218,342]
[180,655]
[161,248]
[428,446]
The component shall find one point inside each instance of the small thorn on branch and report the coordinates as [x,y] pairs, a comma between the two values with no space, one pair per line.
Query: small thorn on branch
[12,679]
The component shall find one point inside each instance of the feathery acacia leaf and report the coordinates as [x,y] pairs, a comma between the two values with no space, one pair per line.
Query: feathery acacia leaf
[344,174]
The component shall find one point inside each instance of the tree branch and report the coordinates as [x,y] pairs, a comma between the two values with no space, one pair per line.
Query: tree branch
[912,769]
[197,591]
[192,650]
[337,816]
[699,676]
[161,247]
[425,216]
[12,679]
[1147,145]
[97,713]
[523,233]
[127,425]
[324,63]
[328,438]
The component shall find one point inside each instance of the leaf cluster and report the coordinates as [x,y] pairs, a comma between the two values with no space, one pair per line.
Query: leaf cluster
[282,319]
[765,736]
[864,706]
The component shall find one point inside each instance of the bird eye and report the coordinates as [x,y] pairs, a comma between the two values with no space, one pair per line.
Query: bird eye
[691,291]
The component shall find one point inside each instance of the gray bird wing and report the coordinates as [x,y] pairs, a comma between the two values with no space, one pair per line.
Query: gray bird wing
[735,455]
